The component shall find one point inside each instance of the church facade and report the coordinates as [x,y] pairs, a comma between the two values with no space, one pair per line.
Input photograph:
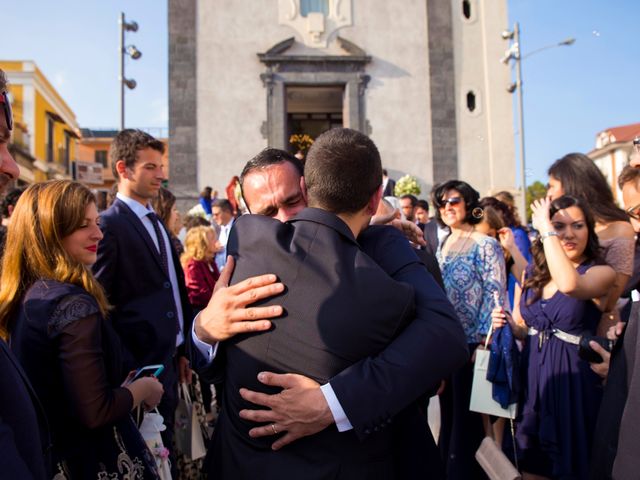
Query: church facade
[421,77]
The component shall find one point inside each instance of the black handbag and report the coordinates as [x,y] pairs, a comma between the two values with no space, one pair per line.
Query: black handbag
[585,352]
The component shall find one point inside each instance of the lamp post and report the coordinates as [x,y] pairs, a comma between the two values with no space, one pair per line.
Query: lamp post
[515,53]
[134,53]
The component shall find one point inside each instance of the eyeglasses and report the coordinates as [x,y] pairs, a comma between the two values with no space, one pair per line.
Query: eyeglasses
[634,212]
[6,106]
[451,201]
[636,144]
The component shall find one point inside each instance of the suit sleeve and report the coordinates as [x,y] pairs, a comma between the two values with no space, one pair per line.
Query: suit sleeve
[106,272]
[433,345]
[106,264]
[12,465]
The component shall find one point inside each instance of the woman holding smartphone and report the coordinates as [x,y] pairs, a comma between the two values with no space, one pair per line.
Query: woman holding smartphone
[553,309]
[53,311]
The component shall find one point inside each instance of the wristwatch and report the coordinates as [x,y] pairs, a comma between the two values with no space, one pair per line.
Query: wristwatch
[550,233]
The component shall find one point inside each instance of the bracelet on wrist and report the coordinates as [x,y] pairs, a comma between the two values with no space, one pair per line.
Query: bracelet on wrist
[548,234]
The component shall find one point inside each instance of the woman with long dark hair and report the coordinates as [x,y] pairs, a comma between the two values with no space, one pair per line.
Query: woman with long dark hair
[576,175]
[54,310]
[553,309]
[473,271]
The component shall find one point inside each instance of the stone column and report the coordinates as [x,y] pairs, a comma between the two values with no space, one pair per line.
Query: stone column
[183,141]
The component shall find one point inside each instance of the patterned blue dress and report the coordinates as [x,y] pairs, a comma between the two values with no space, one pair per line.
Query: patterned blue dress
[471,279]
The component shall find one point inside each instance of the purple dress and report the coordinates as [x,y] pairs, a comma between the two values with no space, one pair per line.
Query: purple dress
[562,396]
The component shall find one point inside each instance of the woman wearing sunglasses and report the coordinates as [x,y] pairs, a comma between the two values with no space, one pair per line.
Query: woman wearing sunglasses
[553,309]
[473,271]
[576,175]
[54,311]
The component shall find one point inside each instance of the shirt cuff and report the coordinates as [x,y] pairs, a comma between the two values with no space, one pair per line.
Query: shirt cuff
[342,422]
[207,351]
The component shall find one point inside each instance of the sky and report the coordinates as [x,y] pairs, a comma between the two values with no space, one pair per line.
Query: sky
[570,93]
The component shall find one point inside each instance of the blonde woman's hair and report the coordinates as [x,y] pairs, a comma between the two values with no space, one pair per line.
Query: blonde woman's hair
[196,244]
[45,214]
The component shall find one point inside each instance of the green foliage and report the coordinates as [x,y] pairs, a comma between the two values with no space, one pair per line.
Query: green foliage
[534,191]
[407,185]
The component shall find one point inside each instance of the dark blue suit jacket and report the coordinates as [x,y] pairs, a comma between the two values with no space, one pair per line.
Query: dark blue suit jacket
[24,433]
[339,307]
[144,314]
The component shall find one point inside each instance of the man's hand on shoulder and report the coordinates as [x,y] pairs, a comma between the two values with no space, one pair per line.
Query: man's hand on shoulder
[299,410]
[227,314]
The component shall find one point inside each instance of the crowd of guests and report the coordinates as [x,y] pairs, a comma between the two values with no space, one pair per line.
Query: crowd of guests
[87,298]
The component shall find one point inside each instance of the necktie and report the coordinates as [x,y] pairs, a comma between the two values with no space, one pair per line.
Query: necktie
[164,259]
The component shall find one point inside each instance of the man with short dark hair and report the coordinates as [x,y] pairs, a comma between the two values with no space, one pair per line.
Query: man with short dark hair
[408,205]
[388,185]
[222,214]
[340,307]
[407,367]
[140,271]
[24,435]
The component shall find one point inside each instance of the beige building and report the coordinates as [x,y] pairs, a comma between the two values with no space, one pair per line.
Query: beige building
[613,149]
[422,78]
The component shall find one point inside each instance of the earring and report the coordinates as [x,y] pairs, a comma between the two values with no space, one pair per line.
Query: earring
[477,213]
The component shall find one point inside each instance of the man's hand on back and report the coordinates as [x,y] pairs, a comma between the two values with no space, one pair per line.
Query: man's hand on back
[227,314]
[299,410]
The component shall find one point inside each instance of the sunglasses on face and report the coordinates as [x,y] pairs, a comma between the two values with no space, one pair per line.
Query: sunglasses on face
[636,144]
[453,201]
[6,107]
[634,212]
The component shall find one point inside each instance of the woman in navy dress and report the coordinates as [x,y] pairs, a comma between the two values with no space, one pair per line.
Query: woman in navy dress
[553,309]
[54,312]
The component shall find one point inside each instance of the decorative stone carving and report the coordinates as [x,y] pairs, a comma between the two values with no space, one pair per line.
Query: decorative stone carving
[315,28]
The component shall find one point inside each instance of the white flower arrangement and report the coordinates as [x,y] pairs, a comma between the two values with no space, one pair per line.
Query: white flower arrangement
[407,185]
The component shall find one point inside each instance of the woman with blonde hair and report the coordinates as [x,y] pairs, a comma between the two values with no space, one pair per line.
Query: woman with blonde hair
[200,270]
[53,310]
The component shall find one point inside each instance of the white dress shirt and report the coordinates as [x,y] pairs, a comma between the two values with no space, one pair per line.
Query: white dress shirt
[223,238]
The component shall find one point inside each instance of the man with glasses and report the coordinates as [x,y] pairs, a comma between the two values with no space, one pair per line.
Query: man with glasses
[24,437]
[615,451]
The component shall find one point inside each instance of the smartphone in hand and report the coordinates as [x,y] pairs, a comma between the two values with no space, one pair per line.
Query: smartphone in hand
[146,371]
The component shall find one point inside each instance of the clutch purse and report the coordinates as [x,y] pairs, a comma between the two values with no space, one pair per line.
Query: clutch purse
[585,352]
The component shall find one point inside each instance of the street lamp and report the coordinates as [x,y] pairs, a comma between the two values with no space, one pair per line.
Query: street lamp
[134,53]
[514,52]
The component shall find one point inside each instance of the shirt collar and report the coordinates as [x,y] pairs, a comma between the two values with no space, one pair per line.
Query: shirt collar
[136,207]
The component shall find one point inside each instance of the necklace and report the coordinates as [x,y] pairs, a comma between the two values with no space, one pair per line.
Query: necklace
[459,251]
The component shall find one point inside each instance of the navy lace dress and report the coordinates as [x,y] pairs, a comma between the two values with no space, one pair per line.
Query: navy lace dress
[562,397]
[72,357]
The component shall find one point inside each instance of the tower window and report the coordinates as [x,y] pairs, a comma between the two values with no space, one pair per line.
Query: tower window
[309,6]
[471,101]
[466,9]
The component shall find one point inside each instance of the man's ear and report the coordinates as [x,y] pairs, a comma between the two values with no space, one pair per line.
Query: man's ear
[374,201]
[121,168]
[303,189]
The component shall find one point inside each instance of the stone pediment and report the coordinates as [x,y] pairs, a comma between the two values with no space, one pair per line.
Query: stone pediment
[289,50]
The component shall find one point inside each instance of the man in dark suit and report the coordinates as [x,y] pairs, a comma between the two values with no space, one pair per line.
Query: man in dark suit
[615,448]
[340,307]
[413,362]
[140,270]
[24,434]
[388,185]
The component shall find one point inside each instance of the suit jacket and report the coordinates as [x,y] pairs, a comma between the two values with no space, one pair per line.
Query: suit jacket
[615,449]
[144,313]
[389,189]
[24,432]
[430,231]
[340,307]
